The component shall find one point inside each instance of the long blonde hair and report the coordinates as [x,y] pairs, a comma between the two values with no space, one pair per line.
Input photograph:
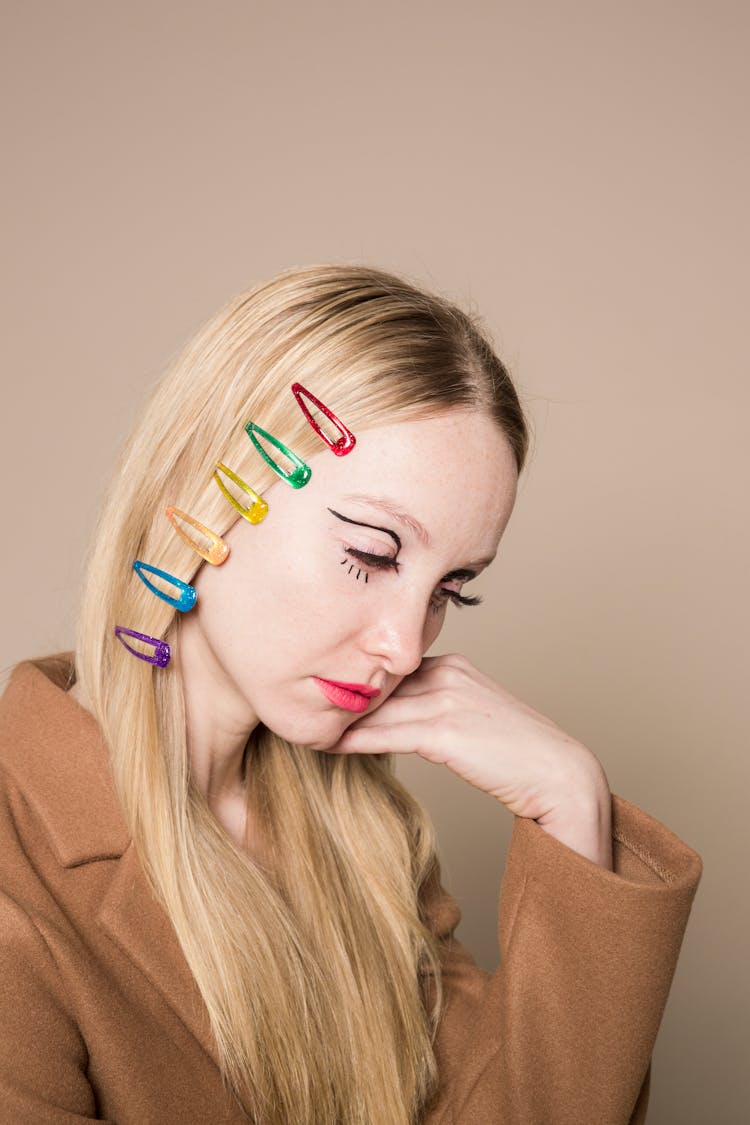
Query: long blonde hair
[314,970]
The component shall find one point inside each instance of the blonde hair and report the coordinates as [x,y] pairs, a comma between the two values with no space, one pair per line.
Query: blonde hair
[316,970]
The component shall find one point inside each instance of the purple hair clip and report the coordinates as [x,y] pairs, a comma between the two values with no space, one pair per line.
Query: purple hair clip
[162,652]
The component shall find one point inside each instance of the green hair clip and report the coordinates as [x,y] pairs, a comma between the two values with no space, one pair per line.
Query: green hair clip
[297,477]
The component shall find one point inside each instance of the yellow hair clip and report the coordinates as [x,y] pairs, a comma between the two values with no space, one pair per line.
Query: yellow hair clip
[255,512]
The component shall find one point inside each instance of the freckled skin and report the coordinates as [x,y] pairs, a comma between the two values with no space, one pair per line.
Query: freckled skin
[282,609]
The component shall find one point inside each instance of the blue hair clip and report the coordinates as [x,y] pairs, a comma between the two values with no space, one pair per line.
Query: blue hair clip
[187,596]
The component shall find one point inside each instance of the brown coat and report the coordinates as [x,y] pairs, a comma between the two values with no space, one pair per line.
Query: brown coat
[100,1018]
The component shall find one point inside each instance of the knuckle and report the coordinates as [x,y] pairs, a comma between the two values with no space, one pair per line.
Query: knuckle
[458,664]
[450,700]
[444,675]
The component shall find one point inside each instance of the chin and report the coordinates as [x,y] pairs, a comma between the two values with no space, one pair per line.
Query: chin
[321,734]
[323,744]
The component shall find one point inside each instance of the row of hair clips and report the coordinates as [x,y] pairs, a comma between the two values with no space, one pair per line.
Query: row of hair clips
[184,597]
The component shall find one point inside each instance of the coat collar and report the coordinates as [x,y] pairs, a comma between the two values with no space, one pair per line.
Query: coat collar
[55,754]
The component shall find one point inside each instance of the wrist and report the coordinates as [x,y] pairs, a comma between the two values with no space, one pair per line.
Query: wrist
[583,821]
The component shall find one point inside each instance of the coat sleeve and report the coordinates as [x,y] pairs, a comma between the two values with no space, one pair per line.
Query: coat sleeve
[42,1056]
[563,1031]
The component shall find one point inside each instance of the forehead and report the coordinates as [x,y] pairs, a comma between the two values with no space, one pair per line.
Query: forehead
[453,473]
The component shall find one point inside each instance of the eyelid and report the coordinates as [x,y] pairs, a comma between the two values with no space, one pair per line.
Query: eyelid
[368,545]
[365,540]
[463,574]
[369,558]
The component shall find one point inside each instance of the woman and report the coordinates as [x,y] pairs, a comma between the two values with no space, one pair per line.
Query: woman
[219,905]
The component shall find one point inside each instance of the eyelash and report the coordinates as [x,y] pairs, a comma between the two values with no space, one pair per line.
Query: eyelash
[386,562]
[378,562]
[459,600]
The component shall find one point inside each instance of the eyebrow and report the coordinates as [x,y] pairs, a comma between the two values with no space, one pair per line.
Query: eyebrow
[393,510]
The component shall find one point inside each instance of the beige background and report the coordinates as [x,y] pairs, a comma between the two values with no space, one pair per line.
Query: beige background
[578,173]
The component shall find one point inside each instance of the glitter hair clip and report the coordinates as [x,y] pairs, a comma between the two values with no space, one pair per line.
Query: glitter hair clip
[216,554]
[345,442]
[161,655]
[296,477]
[186,596]
[253,513]
[217,550]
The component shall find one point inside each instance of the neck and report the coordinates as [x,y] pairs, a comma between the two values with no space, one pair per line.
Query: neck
[219,720]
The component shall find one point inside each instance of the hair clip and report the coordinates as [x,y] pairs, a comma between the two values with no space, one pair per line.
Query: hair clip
[187,594]
[162,652]
[216,554]
[343,444]
[253,513]
[299,476]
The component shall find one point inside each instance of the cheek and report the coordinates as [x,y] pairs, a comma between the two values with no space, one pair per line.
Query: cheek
[290,590]
[309,598]
[433,626]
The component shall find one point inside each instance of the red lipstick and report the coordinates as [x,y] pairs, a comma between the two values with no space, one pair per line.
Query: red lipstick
[351,697]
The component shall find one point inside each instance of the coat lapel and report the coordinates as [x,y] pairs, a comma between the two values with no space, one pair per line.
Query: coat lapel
[61,764]
[137,923]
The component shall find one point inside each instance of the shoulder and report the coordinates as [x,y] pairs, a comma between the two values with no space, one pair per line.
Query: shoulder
[55,784]
[62,836]
[31,707]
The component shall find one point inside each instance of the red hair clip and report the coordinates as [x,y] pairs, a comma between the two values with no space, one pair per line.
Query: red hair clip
[343,444]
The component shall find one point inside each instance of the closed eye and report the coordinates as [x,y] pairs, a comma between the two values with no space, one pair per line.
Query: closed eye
[463,574]
[441,596]
[380,562]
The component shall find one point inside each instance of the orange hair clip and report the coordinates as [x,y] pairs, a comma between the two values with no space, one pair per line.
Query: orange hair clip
[216,554]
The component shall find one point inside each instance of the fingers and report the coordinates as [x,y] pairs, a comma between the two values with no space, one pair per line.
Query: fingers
[391,738]
[400,709]
[438,672]
[448,660]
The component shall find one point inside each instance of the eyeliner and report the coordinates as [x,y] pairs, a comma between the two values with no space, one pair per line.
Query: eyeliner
[374,527]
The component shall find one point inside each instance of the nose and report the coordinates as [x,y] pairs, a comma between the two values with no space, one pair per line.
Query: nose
[396,637]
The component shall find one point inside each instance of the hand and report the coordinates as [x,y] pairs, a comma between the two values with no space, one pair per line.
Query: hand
[449,712]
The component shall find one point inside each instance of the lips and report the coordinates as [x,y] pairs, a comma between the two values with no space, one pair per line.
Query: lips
[350,697]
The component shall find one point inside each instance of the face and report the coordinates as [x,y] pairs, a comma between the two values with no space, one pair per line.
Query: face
[348,579]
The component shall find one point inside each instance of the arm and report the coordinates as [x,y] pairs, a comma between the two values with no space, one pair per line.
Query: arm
[585,822]
[594,904]
[563,1031]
